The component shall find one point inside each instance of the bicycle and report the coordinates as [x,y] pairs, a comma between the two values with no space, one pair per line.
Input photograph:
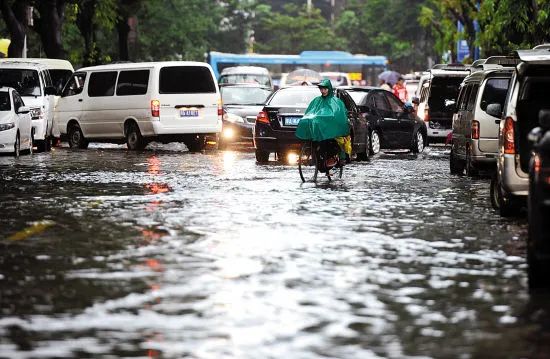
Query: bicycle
[313,159]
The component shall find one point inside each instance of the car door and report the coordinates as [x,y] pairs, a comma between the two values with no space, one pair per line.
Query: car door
[388,124]
[69,105]
[461,127]
[405,122]
[358,122]
[24,121]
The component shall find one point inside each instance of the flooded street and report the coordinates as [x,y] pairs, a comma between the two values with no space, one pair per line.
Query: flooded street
[107,253]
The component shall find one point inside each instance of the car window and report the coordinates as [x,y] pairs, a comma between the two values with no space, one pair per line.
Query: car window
[465,95]
[379,101]
[17,101]
[102,84]
[348,102]
[132,82]
[259,79]
[75,85]
[395,104]
[60,78]
[235,95]
[359,97]
[472,98]
[494,92]
[5,104]
[186,80]
[290,97]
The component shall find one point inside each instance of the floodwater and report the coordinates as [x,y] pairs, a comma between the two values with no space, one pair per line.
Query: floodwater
[107,253]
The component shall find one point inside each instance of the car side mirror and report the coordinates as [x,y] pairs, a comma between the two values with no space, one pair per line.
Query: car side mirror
[415,100]
[544,119]
[24,110]
[50,90]
[494,109]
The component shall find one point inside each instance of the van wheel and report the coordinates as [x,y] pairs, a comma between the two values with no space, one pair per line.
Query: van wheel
[454,164]
[76,138]
[262,156]
[17,146]
[506,205]
[134,139]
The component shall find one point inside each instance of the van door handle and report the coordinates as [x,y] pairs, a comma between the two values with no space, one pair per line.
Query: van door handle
[79,100]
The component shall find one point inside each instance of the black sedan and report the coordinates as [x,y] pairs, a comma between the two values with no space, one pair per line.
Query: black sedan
[538,243]
[276,124]
[241,104]
[392,124]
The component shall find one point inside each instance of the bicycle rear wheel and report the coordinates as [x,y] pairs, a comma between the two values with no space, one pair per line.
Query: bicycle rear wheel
[335,171]
[307,163]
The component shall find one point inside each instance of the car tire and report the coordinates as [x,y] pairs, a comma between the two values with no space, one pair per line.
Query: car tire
[507,205]
[364,156]
[76,137]
[455,165]
[17,146]
[196,144]
[471,171]
[374,142]
[134,139]
[418,142]
[262,156]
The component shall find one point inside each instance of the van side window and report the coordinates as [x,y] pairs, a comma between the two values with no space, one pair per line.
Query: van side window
[75,85]
[102,84]
[132,82]
[467,89]
[472,98]
[494,92]
[186,79]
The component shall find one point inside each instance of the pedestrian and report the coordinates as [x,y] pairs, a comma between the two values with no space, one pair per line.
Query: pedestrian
[384,85]
[326,121]
[400,90]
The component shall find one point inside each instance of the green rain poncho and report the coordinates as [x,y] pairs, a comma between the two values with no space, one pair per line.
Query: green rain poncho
[325,117]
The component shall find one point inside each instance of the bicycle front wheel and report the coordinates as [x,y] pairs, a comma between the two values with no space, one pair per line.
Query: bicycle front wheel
[307,162]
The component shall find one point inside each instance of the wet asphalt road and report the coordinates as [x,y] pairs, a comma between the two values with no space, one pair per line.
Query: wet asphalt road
[107,253]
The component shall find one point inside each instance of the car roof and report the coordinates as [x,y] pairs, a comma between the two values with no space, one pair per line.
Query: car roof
[243,84]
[479,76]
[29,65]
[132,65]
[359,88]
[244,70]
[52,64]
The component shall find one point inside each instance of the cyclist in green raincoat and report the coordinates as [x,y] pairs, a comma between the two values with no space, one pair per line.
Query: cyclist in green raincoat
[326,119]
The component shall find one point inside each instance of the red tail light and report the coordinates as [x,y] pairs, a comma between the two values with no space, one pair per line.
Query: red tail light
[536,164]
[475,130]
[508,136]
[427,114]
[262,117]
[155,108]
[220,109]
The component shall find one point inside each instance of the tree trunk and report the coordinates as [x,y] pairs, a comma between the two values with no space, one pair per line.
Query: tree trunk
[86,28]
[52,15]
[15,19]
[123,31]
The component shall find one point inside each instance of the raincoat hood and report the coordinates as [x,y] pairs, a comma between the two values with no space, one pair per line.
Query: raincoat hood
[325,117]
[326,83]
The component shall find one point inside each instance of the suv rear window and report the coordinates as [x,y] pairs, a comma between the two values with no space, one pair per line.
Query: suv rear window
[494,92]
[186,80]
[293,98]
[443,90]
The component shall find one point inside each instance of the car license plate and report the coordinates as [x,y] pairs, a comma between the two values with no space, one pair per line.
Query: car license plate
[189,113]
[292,121]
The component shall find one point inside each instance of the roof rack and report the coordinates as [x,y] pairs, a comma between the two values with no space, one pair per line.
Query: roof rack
[505,61]
[450,67]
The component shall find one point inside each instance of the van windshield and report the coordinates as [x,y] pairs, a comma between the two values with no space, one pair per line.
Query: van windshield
[26,82]
[186,80]
[262,80]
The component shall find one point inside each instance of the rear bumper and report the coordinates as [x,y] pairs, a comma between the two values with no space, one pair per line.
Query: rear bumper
[268,140]
[511,182]
[158,129]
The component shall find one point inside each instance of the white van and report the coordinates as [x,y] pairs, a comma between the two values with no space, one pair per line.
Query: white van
[33,82]
[140,102]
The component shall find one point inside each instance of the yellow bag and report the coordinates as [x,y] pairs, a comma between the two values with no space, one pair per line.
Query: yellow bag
[344,143]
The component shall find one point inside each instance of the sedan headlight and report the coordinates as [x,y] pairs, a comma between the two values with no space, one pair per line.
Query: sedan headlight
[7,126]
[233,118]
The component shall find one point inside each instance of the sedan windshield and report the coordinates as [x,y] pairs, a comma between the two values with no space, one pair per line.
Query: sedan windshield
[234,95]
[294,97]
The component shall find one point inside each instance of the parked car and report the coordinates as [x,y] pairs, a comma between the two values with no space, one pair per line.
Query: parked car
[241,103]
[392,124]
[34,84]
[337,78]
[246,74]
[276,124]
[141,102]
[15,123]
[438,94]
[474,131]
[528,94]
[538,241]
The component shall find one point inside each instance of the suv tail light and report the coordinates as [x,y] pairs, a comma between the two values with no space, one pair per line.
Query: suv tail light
[262,117]
[426,114]
[508,136]
[155,108]
[220,109]
[475,130]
